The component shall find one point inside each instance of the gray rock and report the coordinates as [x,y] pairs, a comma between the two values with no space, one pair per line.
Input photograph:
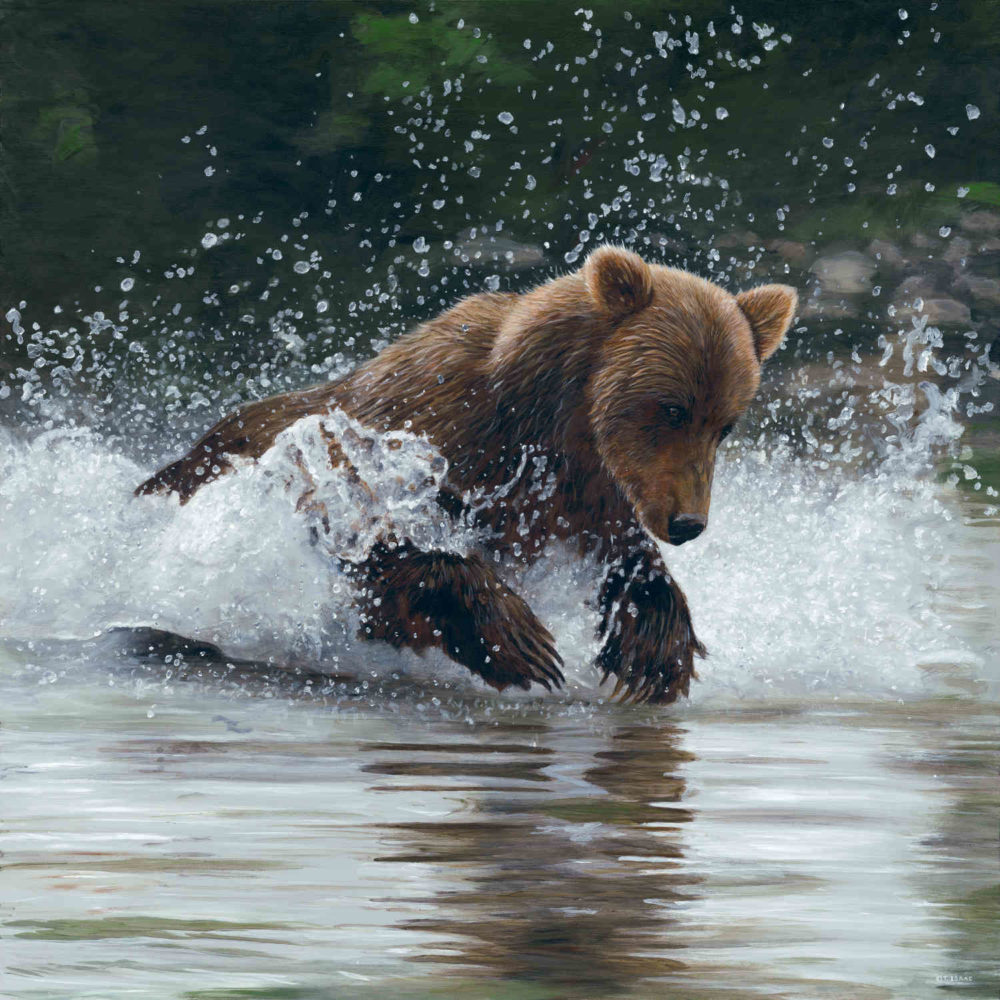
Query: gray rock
[917,286]
[981,289]
[947,312]
[941,311]
[738,238]
[982,221]
[887,254]
[957,250]
[847,273]
[790,251]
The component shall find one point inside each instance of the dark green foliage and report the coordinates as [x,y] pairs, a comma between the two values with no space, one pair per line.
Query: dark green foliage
[373,119]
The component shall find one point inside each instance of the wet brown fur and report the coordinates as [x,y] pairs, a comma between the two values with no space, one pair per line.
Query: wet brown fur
[552,408]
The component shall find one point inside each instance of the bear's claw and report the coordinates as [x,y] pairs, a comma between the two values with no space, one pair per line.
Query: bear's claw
[419,599]
[649,642]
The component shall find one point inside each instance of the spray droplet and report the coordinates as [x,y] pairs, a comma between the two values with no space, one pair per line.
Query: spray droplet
[828,142]
[930,150]
[972,112]
[127,284]
[301,267]
[209,240]
[721,113]
[505,118]
[944,231]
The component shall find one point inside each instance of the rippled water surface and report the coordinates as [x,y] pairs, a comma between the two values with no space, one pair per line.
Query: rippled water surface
[182,830]
[210,790]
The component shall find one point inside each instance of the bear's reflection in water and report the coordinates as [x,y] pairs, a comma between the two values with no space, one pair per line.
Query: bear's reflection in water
[571,895]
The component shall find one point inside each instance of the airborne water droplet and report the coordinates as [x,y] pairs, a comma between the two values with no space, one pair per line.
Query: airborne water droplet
[972,111]
[721,113]
[930,150]
[505,117]
[209,240]
[127,284]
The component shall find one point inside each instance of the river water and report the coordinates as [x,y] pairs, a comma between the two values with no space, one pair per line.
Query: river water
[818,821]
[210,790]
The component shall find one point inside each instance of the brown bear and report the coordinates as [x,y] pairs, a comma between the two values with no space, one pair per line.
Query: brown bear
[619,382]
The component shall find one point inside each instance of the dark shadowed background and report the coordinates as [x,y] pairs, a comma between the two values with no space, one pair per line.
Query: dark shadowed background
[203,203]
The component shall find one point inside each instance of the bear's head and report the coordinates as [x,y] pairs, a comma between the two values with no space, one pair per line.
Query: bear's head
[678,364]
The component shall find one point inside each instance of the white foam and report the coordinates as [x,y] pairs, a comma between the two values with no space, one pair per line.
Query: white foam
[238,565]
[812,577]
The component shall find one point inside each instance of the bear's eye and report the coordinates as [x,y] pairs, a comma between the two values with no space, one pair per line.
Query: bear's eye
[725,432]
[673,415]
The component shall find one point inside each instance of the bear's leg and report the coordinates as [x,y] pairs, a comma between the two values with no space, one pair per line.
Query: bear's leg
[649,641]
[458,603]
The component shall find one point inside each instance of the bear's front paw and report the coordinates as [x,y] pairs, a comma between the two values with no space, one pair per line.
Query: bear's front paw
[649,641]
[458,603]
[503,641]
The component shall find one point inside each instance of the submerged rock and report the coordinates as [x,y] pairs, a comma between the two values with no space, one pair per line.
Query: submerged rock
[917,286]
[947,312]
[847,273]
[738,238]
[958,250]
[941,311]
[919,296]
[887,254]
[924,241]
[789,250]
[982,221]
[979,288]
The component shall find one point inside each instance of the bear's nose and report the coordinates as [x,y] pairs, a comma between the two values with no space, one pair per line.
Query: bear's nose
[683,527]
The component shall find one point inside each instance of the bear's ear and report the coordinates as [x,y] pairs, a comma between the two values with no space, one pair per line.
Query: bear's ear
[770,309]
[619,281]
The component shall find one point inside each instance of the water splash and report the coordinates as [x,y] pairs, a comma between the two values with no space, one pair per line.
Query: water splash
[818,574]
